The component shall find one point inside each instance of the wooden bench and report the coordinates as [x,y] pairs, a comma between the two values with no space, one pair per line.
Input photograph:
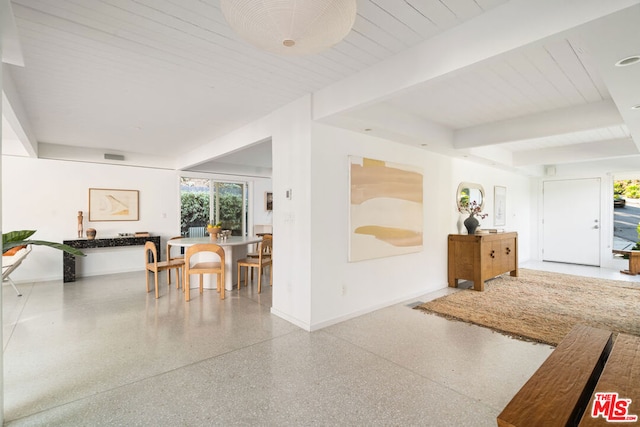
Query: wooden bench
[561,392]
[634,261]
[621,375]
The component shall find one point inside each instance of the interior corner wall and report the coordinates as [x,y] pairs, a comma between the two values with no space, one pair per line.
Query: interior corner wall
[46,195]
[340,289]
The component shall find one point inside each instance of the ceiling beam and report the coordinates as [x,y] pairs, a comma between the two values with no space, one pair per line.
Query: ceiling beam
[609,40]
[576,152]
[15,114]
[547,123]
[11,51]
[383,120]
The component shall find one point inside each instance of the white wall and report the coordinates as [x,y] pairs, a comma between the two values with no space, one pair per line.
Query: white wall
[46,195]
[341,290]
[519,213]
[260,214]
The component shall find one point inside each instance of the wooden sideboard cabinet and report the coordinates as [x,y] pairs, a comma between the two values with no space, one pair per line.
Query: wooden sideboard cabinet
[479,257]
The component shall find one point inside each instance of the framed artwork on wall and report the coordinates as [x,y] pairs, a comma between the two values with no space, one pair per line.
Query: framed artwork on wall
[268,201]
[385,209]
[107,204]
[499,205]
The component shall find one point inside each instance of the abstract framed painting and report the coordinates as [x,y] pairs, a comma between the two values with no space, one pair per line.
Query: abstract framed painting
[385,209]
[107,204]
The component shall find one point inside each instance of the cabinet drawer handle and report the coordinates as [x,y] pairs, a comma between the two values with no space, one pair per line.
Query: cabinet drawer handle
[492,254]
[508,251]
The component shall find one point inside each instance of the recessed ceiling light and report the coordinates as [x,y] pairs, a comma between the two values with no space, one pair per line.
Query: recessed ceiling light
[367,129]
[628,61]
[425,145]
[636,107]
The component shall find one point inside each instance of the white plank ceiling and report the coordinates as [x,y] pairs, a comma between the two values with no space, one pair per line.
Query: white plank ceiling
[162,77]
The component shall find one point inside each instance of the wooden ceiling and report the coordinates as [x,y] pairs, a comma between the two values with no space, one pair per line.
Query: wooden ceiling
[165,76]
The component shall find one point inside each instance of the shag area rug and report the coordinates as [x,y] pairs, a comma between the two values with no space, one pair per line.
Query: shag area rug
[543,307]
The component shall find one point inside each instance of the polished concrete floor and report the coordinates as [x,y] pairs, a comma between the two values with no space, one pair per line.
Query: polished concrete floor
[103,352]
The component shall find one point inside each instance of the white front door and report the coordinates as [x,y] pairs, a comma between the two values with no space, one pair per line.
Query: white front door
[571,221]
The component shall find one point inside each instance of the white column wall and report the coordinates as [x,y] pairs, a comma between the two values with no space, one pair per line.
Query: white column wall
[291,149]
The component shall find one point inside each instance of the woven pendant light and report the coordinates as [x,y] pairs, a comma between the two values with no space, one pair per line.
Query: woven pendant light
[290,27]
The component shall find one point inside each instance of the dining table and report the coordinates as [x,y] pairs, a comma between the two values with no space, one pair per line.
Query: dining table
[235,247]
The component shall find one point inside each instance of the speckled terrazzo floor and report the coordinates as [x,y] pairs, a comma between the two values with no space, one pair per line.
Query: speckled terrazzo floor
[102,352]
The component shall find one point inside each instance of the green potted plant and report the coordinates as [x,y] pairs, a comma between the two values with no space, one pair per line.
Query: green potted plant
[20,238]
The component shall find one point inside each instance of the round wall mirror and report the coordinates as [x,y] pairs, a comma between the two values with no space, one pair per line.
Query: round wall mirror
[469,192]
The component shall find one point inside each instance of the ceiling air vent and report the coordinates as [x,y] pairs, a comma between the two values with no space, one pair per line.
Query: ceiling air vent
[108,156]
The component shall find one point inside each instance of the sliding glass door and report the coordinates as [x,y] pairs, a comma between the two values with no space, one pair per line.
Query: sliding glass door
[206,200]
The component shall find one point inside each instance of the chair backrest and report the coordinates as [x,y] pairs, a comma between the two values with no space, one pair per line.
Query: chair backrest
[203,247]
[266,248]
[150,247]
[169,256]
[197,231]
[262,229]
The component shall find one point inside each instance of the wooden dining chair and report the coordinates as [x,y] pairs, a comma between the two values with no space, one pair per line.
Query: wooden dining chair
[256,253]
[153,265]
[203,267]
[265,255]
[171,257]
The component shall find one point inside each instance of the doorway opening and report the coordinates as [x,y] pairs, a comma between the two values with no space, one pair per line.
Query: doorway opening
[626,213]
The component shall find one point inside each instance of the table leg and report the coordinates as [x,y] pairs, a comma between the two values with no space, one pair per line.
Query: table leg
[228,268]
[634,264]
[68,267]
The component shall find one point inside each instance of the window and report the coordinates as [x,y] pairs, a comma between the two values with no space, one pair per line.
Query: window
[204,200]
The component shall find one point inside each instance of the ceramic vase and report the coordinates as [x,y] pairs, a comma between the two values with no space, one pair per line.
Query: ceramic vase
[91,233]
[213,232]
[471,224]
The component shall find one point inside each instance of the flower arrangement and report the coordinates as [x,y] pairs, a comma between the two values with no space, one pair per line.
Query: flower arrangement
[472,208]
